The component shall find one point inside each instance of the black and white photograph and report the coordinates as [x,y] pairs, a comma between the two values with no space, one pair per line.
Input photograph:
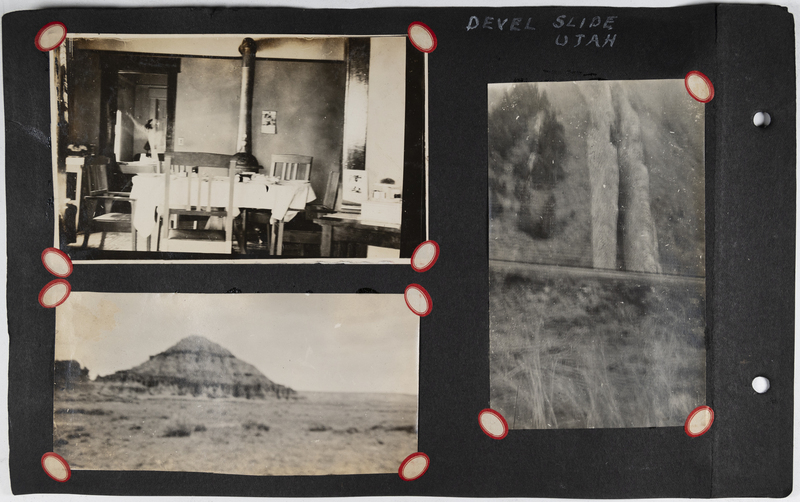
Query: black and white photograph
[167,147]
[597,253]
[252,384]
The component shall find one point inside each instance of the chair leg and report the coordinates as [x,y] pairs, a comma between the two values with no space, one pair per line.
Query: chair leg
[280,237]
[102,240]
[91,206]
[325,241]
[133,228]
[272,239]
[243,235]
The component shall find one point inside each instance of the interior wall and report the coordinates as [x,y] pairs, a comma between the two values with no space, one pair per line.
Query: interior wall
[309,99]
[387,101]
[84,102]
[207,105]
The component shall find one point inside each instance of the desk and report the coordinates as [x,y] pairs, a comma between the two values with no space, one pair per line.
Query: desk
[284,199]
[340,229]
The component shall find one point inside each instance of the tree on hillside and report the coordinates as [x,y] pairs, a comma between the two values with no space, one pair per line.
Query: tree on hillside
[526,147]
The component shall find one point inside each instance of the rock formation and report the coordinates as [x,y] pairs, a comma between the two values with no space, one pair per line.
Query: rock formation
[196,366]
[620,183]
[69,373]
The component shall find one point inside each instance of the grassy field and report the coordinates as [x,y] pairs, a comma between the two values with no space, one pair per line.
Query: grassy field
[575,348]
[322,433]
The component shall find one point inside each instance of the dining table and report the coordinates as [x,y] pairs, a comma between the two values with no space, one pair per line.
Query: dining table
[283,198]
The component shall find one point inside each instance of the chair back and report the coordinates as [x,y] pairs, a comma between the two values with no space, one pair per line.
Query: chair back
[329,198]
[97,174]
[203,173]
[205,164]
[291,167]
[197,240]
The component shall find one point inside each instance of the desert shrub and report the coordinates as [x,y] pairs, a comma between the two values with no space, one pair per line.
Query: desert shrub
[81,411]
[135,428]
[200,428]
[179,430]
[251,424]
[60,442]
[78,435]
[403,428]
[319,428]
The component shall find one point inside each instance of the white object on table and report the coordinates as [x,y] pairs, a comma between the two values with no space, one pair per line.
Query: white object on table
[139,167]
[385,211]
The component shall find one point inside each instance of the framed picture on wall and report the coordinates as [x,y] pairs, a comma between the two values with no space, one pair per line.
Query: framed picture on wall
[269,122]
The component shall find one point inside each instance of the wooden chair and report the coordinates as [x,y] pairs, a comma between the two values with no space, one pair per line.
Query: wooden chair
[285,167]
[204,164]
[187,227]
[300,231]
[291,167]
[96,168]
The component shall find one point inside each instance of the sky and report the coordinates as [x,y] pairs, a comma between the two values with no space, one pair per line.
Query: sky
[309,342]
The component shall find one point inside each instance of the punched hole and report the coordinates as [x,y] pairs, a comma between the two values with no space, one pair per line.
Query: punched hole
[761,384]
[761,119]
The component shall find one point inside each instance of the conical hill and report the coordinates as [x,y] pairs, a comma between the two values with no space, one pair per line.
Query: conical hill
[198,366]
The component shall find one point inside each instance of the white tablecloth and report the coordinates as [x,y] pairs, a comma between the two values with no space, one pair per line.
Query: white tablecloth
[284,199]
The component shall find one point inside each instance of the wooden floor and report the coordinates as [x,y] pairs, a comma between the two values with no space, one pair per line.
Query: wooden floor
[121,241]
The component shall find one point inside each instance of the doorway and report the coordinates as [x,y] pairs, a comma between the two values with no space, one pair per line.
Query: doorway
[141,98]
[135,89]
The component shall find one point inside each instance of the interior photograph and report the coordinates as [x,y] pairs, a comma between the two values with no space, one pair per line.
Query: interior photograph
[238,145]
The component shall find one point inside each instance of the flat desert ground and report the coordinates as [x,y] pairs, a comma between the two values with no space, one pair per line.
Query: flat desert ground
[320,433]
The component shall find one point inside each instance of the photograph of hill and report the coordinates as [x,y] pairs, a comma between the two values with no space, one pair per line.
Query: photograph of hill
[597,253]
[258,384]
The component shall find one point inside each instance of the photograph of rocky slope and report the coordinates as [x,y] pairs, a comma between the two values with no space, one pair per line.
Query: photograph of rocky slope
[272,392]
[597,253]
